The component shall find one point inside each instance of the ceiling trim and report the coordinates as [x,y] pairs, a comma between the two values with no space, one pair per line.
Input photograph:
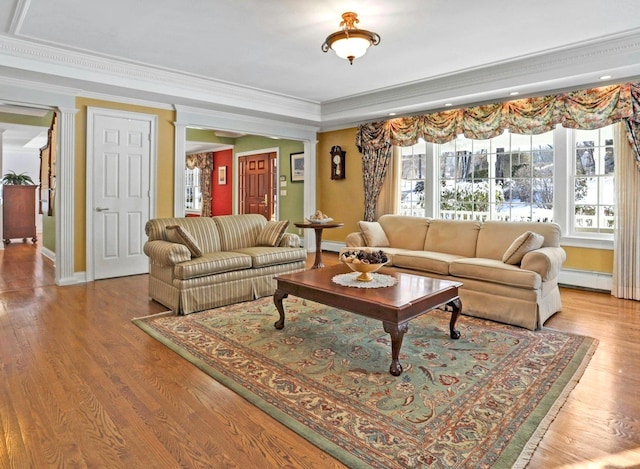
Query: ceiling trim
[50,60]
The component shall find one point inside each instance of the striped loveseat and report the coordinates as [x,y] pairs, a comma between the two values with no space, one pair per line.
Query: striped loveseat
[198,263]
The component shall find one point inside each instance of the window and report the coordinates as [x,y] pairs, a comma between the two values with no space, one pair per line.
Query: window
[563,175]
[509,177]
[413,173]
[593,181]
[193,192]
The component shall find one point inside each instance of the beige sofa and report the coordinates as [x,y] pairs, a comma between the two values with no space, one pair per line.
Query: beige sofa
[509,269]
[200,263]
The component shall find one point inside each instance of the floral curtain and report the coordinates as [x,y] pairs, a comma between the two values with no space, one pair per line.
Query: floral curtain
[633,123]
[204,161]
[585,109]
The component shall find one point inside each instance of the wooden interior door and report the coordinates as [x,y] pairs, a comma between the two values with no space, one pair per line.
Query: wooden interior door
[257,173]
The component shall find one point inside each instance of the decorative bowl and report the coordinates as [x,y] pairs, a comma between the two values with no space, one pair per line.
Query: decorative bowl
[320,220]
[365,270]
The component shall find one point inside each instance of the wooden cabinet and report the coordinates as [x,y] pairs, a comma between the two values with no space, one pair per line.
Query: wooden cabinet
[19,213]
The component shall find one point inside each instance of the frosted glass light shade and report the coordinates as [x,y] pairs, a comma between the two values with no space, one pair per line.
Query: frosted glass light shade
[351,48]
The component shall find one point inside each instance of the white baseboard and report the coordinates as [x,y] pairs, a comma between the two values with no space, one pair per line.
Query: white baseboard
[48,253]
[585,279]
[76,279]
[332,246]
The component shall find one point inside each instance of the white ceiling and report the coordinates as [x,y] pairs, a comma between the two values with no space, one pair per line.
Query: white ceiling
[263,58]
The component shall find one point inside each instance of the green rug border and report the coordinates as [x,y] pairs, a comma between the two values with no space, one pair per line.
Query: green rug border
[527,437]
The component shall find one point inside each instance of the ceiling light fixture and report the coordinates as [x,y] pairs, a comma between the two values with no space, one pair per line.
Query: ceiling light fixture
[350,42]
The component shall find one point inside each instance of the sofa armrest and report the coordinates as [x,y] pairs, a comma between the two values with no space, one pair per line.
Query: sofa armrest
[545,261]
[166,253]
[355,240]
[290,240]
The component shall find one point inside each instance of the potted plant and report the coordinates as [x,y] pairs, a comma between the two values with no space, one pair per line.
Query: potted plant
[13,179]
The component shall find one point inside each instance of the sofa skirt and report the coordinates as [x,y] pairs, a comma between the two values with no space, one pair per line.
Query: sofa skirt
[190,296]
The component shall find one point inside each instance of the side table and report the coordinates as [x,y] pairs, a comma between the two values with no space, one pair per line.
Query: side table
[318,227]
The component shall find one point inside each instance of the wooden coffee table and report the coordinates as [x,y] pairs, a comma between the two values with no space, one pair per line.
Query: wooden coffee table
[395,306]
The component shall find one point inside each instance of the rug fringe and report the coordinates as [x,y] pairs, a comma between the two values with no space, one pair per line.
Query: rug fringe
[157,315]
[534,441]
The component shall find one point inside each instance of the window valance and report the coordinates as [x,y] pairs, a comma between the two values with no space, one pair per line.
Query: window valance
[585,109]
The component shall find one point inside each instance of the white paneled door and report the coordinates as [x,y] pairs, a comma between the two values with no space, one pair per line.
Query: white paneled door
[121,195]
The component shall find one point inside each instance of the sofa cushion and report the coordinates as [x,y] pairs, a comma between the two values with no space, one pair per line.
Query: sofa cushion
[262,256]
[457,237]
[373,234]
[491,270]
[404,231]
[239,231]
[272,233]
[212,263]
[177,234]
[495,237]
[527,241]
[426,261]
[203,230]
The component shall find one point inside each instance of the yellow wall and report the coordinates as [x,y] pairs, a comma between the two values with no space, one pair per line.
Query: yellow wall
[593,260]
[343,200]
[166,146]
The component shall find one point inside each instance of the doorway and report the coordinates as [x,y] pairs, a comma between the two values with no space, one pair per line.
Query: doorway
[257,185]
[120,158]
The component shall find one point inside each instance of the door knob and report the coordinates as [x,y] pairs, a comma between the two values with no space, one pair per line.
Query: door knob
[101,209]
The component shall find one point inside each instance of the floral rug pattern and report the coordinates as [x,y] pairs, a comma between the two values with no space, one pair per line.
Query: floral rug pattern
[481,401]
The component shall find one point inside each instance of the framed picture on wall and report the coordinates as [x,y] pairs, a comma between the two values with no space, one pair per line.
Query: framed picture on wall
[297,167]
[222,175]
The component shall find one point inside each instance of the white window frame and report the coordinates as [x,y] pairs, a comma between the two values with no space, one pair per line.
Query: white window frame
[197,189]
[563,203]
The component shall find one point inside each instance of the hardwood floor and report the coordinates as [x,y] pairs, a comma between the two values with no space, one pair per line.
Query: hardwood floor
[81,386]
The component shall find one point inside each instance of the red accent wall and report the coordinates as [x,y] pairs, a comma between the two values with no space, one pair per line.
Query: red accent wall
[221,195]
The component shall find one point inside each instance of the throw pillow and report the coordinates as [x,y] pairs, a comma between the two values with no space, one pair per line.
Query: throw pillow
[524,243]
[373,234]
[272,233]
[177,234]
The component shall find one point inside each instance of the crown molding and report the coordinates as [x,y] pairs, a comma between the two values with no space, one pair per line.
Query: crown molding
[50,60]
[126,100]
[255,125]
[571,66]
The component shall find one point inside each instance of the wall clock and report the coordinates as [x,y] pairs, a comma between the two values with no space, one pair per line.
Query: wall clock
[337,162]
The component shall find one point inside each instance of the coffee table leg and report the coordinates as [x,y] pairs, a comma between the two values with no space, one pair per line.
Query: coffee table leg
[396,331]
[456,307]
[278,296]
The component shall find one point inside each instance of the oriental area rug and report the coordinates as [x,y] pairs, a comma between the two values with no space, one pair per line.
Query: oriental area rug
[484,400]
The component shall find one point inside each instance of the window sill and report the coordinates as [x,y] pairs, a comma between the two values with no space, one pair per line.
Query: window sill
[591,243]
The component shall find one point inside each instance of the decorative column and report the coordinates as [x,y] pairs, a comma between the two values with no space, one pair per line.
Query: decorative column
[179,162]
[309,203]
[65,197]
